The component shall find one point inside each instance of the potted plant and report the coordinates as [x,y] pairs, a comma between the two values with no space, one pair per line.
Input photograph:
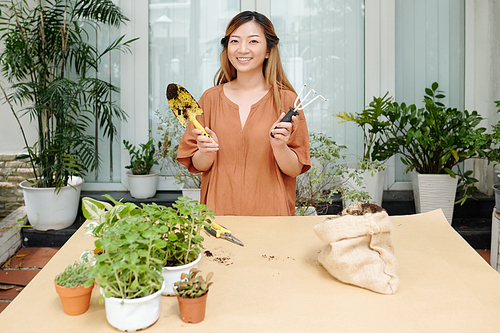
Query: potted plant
[51,66]
[181,230]
[171,131]
[317,187]
[130,264]
[192,292]
[372,172]
[185,220]
[70,286]
[142,178]
[433,142]
[493,155]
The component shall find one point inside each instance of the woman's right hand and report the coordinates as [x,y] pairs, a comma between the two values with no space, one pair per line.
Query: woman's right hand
[205,145]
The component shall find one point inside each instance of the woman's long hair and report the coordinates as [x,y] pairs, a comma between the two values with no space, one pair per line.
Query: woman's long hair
[272,68]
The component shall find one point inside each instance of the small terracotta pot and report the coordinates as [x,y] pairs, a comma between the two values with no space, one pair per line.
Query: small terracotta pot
[75,301]
[192,310]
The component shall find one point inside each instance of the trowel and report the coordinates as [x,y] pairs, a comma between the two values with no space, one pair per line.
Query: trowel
[185,107]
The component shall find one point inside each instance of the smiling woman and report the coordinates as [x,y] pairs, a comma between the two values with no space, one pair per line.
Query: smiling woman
[247,171]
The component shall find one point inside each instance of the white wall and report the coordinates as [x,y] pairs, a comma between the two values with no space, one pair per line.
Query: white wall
[482,77]
[11,140]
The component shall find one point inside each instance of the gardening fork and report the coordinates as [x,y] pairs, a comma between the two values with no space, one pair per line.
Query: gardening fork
[298,106]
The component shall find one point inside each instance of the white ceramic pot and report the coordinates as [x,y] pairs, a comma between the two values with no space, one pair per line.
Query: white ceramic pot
[172,274]
[193,193]
[131,315]
[143,186]
[372,183]
[435,191]
[51,210]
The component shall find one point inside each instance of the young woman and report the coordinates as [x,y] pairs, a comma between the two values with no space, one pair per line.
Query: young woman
[246,170]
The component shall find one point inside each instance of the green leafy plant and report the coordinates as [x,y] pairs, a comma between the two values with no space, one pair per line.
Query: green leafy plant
[136,243]
[434,139]
[51,64]
[326,178]
[492,154]
[74,275]
[371,122]
[183,223]
[142,158]
[193,285]
[171,131]
[132,258]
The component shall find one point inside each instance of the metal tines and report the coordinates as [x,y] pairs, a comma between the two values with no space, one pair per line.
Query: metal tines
[298,106]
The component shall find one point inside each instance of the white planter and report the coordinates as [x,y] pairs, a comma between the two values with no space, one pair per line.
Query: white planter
[47,209]
[372,183]
[193,193]
[433,192]
[143,186]
[131,315]
[172,274]
[310,211]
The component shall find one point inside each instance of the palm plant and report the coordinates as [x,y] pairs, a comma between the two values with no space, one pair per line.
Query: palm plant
[51,64]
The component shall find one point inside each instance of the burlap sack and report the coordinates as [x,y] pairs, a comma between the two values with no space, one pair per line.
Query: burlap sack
[359,250]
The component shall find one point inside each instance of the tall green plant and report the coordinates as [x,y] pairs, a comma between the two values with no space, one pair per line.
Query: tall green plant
[51,64]
[434,139]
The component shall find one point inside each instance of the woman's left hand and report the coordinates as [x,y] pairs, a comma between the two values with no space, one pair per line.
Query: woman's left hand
[282,130]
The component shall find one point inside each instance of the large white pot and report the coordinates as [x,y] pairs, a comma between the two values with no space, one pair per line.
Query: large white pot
[48,209]
[135,314]
[143,186]
[436,191]
[172,274]
[372,183]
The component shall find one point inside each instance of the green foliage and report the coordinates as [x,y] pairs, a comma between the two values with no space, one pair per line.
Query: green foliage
[142,159]
[193,285]
[493,154]
[171,131]
[137,243]
[132,258]
[371,121]
[184,222]
[51,65]
[434,139]
[74,275]
[326,177]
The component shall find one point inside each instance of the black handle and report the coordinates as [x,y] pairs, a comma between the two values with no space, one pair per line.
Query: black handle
[287,118]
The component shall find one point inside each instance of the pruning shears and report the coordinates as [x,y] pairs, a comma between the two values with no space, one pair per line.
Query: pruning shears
[219,231]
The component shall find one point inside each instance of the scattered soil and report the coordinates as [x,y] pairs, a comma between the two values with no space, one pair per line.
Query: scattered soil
[220,256]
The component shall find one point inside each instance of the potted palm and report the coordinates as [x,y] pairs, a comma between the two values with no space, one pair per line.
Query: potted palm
[371,172]
[327,177]
[70,286]
[192,292]
[171,131]
[50,63]
[433,141]
[142,178]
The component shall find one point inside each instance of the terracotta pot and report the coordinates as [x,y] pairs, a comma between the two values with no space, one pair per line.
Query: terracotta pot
[192,310]
[75,301]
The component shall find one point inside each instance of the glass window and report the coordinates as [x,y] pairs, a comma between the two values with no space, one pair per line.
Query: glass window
[184,48]
[430,47]
[322,45]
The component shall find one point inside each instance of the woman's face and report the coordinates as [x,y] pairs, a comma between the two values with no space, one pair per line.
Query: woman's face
[247,48]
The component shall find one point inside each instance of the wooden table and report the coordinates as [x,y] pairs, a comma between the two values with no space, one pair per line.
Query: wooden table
[275,284]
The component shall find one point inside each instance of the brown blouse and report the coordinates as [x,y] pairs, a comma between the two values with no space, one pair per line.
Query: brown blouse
[245,178]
